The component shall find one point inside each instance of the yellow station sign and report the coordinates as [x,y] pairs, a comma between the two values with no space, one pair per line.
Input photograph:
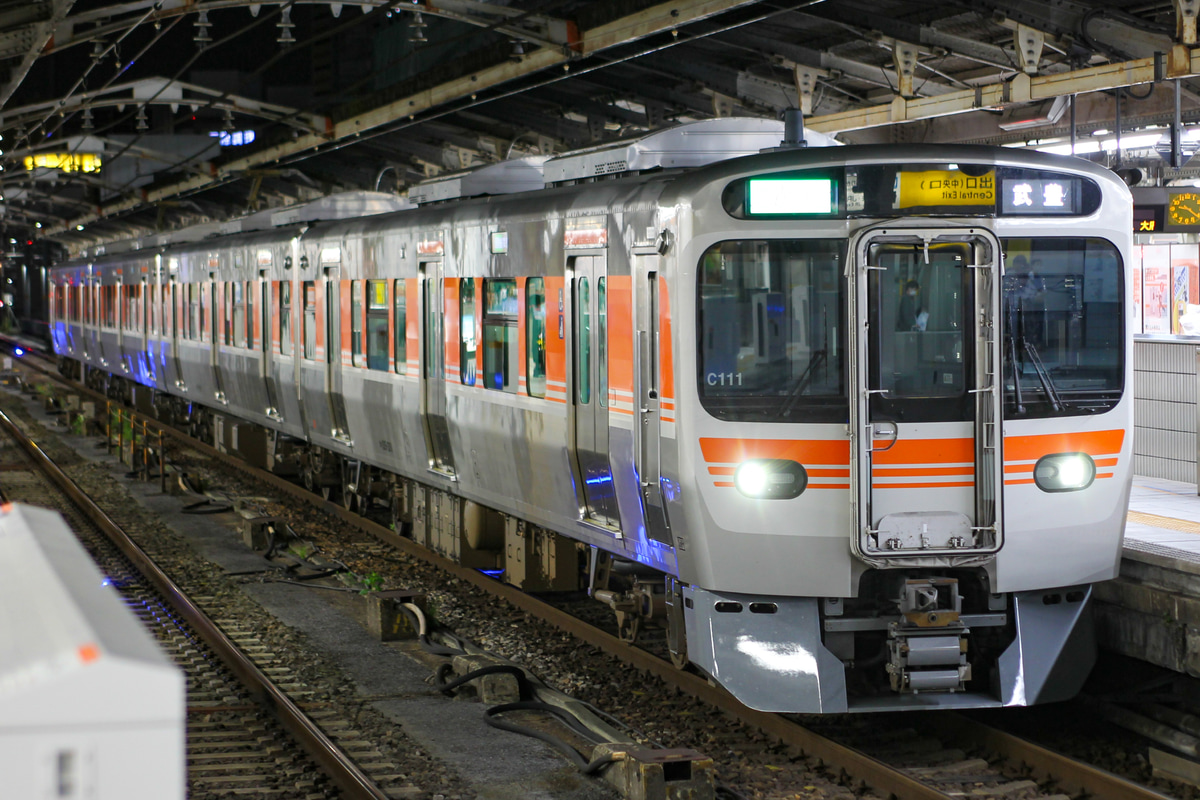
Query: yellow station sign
[945,187]
[67,162]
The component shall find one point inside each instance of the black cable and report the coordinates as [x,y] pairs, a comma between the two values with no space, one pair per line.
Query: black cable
[448,687]
[586,767]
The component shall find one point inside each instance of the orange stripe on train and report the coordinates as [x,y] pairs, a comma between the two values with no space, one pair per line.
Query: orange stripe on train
[1094,443]
[805,451]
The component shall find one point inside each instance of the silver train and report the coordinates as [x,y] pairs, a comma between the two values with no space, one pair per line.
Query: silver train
[850,426]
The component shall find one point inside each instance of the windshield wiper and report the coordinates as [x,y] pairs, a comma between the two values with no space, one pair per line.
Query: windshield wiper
[803,382]
[1021,342]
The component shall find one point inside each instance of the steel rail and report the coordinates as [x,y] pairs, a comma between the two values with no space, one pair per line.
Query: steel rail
[328,755]
[1074,775]
[1071,776]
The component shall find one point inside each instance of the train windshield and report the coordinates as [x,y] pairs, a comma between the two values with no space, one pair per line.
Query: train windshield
[1063,327]
[771,314]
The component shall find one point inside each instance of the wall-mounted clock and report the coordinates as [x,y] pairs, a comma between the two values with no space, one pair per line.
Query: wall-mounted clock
[1184,209]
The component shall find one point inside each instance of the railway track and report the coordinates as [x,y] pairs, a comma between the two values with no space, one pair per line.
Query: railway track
[907,763]
[246,731]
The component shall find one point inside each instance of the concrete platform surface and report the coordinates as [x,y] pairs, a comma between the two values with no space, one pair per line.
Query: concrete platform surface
[1163,526]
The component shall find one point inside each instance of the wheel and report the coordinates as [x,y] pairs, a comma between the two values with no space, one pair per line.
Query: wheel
[349,486]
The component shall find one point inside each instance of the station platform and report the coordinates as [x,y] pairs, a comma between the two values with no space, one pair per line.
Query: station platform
[1164,516]
[1152,611]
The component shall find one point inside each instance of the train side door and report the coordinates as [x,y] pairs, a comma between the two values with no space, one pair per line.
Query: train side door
[590,400]
[175,303]
[267,312]
[433,367]
[928,467]
[216,301]
[333,356]
[647,399]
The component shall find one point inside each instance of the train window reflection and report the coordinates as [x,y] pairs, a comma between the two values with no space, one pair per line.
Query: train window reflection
[583,342]
[535,329]
[919,304]
[770,317]
[285,317]
[377,325]
[249,295]
[467,331]
[399,325]
[309,330]
[500,342]
[356,323]
[1063,327]
[602,342]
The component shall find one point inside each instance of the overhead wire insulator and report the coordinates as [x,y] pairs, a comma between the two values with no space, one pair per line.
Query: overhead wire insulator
[141,119]
[416,29]
[201,37]
[285,25]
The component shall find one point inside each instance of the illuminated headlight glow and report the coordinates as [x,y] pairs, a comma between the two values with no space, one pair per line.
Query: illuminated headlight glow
[770,479]
[18,352]
[1064,472]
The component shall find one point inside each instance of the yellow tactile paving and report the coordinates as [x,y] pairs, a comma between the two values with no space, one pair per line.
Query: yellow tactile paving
[1168,523]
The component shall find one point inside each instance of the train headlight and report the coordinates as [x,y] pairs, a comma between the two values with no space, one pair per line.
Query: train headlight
[1064,472]
[770,479]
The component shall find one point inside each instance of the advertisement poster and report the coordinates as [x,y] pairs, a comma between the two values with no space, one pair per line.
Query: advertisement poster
[1156,288]
[1136,277]
[1183,265]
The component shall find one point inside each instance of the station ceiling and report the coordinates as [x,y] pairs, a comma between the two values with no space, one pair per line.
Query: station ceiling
[122,119]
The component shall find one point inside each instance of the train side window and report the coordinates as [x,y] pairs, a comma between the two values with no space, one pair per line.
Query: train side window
[377,325]
[583,342]
[249,295]
[400,325]
[356,323]
[466,308]
[501,347]
[535,332]
[285,317]
[310,319]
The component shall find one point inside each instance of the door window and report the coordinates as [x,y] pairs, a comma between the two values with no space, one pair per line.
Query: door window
[583,343]
[285,317]
[535,330]
[357,356]
[310,319]
[466,302]
[399,325]
[920,304]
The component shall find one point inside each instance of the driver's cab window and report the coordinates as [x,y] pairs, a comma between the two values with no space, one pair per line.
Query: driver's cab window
[920,299]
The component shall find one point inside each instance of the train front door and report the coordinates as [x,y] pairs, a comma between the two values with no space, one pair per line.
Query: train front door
[589,303]
[927,465]
[433,367]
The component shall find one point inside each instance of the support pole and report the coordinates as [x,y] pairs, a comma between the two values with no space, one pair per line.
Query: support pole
[1073,133]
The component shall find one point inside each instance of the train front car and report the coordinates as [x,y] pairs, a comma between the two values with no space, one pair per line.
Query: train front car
[904,408]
